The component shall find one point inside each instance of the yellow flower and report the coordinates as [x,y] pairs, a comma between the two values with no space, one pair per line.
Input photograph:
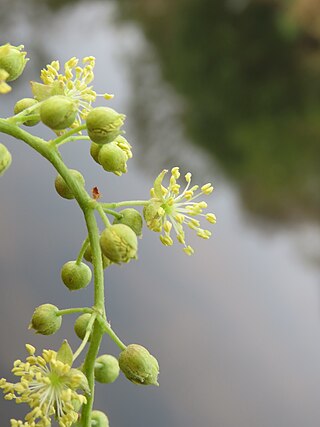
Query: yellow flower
[74,83]
[48,386]
[169,209]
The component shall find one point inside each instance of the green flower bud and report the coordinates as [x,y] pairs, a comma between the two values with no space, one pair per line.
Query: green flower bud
[153,214]
[94,151]
[75,276]
[119,243]
[22,105]
[99,419]
[80,325]
[62,188]
[138,365]
[58,112]
[113,159]
[88,257]
[5,159]
[106,369]
[132,218]
[12,60]
[103,124]
[45,319]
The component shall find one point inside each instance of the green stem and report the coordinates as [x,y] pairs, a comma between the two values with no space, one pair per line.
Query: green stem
[82,250]
[114,213]
[23,115]
[107,329]
[74,310]
[126,203]
[50,152]
[66,135]
[86,337]
[103,215]
[74,138]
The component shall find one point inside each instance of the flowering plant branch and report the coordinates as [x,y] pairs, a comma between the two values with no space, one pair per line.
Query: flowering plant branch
[54,384]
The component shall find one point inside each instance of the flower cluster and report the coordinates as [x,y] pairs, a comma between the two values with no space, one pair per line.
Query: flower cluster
[169,209]
[74,83]
[48,386]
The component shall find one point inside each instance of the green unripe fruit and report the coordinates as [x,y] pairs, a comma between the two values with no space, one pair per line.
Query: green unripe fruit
[45,319]
[119,243]
[94,151]
[22,105]
[138,365]
[76,276]
[58,112]
[113,159]
[132,218]
[80,325]
[106,369]
[5,159]
[99,419]
[103,124]
[88,257]
[12,60]
[62,187]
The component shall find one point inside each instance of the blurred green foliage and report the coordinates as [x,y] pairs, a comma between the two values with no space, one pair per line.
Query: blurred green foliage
[253,100]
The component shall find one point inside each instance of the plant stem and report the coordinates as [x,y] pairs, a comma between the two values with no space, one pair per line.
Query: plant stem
[107,329]
[126,203]
[50,152]
[74,310]
[82,250]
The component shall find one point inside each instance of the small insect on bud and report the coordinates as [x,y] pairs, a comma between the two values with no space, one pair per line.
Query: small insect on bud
[132,218]
[113,159]
[22,105]
[5,159]
[88,257]
[12,60]
[103,124]
[119,243]
[81,324]
[62,188]
[99,419]
[106,369]
[45,320]
[76,276]
[138,365]
[58,112]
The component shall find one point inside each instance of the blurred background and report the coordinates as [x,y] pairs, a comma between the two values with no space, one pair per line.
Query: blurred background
[229,90]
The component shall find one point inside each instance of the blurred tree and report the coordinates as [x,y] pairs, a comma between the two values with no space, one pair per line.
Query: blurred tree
[253,99]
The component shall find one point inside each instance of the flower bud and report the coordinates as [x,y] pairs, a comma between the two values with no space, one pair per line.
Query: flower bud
[153,214]
[45,319]
[88,257]
[22,105]
[106,369]
[75,276]
[99,419]
[12,60]
[62,188]
[94,151]
[138,365]
[5,159]
[119,243]
[132,218]
[103,124]
[58,112]
[113,159]
[80,325]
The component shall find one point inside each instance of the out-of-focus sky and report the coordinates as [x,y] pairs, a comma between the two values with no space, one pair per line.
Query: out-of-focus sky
[235,328]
